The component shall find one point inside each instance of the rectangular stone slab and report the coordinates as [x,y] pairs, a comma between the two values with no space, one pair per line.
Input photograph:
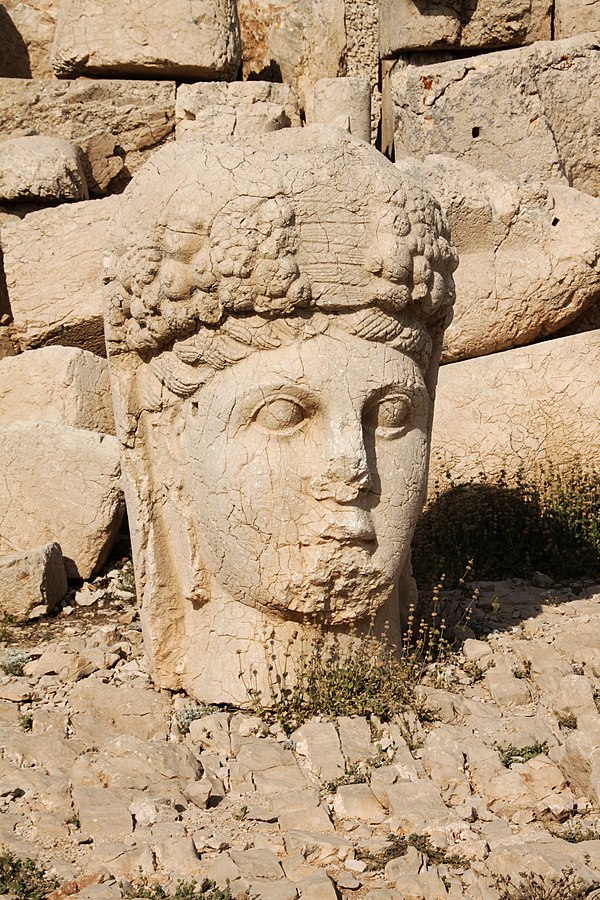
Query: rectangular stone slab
[409,25]
[181,38]
[533,110]
[53,266]
[59,483]
[116,123]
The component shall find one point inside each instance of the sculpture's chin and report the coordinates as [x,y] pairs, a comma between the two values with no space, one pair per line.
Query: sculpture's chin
[335,584]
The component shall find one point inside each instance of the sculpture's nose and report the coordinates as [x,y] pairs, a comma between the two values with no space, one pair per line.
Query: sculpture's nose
[343,468]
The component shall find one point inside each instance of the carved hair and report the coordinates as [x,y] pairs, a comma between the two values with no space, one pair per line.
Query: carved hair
[238,247]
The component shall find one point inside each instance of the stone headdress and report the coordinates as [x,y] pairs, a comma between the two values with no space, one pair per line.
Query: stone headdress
[279,231]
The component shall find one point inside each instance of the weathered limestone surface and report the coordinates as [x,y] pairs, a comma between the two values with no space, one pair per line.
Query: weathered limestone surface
[409,25]
[116,123]
[59,483]
[528,111]
[34,580]
[53,266]
[524,405]
[56,384]
[573,17]
[250,476]
[529,261]
[345,102]
[294,41]
[41,168]
[26,35]
[183,39]
[217,109]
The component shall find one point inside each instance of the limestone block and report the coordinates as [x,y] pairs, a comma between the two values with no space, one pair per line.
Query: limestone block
[573,17]
[116,123]
[30,580]
[528,259]
[526,405]
[345,102]
[41,168]
[294,41]
[26,34]
[411,25]
[533,110]
[182,39]
[56,384]
[318,743]
[216,109]
[59,484]
[53,266]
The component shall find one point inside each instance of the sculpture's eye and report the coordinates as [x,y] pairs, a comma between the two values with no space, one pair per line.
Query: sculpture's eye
[393,412]
[280,414]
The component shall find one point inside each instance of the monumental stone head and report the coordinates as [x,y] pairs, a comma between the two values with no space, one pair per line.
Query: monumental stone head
[274,318]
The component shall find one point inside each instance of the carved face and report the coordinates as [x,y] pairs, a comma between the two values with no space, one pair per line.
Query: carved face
[305,466]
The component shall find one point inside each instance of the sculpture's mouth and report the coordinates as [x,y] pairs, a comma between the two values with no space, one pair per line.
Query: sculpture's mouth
[349,526]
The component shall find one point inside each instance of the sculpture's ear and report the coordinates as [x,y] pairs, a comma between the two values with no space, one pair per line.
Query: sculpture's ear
[167,545]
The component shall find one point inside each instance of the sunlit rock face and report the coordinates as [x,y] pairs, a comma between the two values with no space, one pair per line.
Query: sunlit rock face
[274,309]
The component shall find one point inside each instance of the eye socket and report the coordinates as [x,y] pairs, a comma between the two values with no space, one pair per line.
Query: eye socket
[280,414]
[392,412]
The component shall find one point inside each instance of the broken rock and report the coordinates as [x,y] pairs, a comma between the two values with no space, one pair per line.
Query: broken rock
[41,168]
[30,580]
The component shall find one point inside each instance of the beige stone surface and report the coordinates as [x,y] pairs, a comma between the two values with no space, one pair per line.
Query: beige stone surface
[59,483]
[320,266]
[41,168]
[409,25]
[533,110]
[26,35]
[524,405]
[56,384]
[32,580]
[573,17]
[528,254]
[217,109]
[53,266]
[342,101]
[294,41]
[116,123]
[183,39]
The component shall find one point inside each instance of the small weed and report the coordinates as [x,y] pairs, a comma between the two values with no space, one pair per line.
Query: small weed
[524,670]
[578,668]
[127,577]
[188,890]
[354,775]
[22,879]
[14,661]
[184,717]
[73,820]
[26,722]
[510,755]
[597,698]
[576,834]
[369,676]
[474,671]
[437,856]
[397,846]
[535,887]
[568,721]
[241,814]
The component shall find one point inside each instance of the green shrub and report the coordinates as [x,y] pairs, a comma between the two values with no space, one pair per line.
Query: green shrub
[546,521]
[22,879]
[535,887]
[367,676]
[14,661]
